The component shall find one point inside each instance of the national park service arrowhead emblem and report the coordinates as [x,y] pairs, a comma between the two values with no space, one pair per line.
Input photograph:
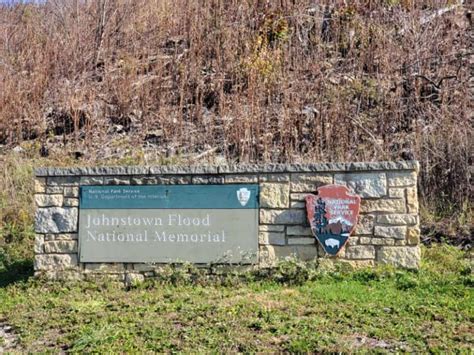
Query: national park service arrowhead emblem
[332,214]
[243,195]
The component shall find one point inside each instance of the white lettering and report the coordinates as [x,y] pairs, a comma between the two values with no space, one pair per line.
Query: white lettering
[158,237]
[184,238]
[172,219]
[90,236]
[180,220]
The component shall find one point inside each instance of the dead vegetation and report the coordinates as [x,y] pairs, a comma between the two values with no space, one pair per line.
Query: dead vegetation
[245,81]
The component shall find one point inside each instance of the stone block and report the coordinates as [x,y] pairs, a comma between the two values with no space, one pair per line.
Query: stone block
[304,187]
[412,200]
[406,257]
[364,184]
[60,247]
[320,167]
[133,279]
[395,232]
[56,220]
[298,197]
[71,191]
[249,168]
[301,241]
[205,180]
[71,202]
[413,236]
[39,242]
[173,180]
[63,181]
[306,252]
[268,216]
[376,241]
[323,179]
[298,231]
[273,238]
[297,204]
[311,186]
[40,185]
[402,178]
[353,240]
[200,180]
[274,178]
[104,268]
[55,261]
[143,267]
[55,190]
[91,180]
[142,180]
[365,225]
[213,179]
[42,200]
[397,219]
[270,255]
[69,236]
[396,192]
[360,252]
[383,205]
[184,169]
[274,195]
[117,180]
[316,168]
[241,178]
[271,228]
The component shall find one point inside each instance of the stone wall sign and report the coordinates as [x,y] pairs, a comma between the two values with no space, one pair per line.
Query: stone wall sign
[187,223]
[120,221]
[332,214]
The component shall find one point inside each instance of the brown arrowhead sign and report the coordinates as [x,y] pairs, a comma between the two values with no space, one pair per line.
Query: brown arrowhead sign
[332,214]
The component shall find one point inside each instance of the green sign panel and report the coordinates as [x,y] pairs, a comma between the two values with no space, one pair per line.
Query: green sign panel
[177,223]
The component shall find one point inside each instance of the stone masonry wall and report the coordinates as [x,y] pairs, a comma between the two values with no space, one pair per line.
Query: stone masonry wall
[387,232]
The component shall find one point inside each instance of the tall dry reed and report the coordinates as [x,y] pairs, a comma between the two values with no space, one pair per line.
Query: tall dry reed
[255,81]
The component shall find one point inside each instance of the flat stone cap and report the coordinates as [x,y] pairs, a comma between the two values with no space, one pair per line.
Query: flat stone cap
[228,169]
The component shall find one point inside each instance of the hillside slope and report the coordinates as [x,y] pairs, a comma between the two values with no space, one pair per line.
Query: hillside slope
[181,81]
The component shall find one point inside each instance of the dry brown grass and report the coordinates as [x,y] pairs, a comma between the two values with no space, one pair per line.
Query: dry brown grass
[257,81]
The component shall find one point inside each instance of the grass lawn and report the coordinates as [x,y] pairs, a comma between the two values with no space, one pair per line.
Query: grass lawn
[380,310]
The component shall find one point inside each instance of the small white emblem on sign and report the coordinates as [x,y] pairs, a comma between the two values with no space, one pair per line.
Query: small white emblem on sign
[243,195]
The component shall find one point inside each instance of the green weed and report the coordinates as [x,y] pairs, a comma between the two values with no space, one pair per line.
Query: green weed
[375,310]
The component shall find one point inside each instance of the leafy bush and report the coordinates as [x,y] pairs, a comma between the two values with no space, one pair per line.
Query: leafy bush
[292,271]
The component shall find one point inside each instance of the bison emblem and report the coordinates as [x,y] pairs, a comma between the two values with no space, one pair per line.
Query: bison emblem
[331,242]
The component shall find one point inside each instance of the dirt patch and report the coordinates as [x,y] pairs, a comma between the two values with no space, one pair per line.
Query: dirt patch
[8,338]
[362,341]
